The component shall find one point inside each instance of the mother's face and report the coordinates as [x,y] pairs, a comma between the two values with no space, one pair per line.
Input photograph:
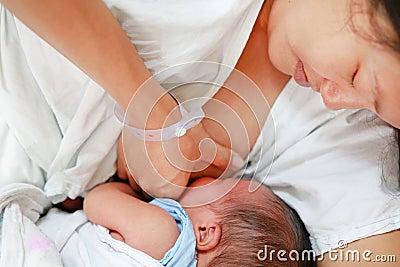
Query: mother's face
[313,41]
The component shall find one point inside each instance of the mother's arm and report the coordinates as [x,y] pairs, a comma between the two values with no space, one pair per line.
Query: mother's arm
[87,33]
[379,250]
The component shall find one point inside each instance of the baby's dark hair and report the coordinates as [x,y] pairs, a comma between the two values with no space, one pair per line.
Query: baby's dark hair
[254,233]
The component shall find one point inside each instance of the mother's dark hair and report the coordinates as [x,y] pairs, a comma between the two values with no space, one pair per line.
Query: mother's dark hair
[390,9]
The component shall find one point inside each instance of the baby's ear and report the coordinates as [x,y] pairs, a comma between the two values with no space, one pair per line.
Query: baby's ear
[208,236]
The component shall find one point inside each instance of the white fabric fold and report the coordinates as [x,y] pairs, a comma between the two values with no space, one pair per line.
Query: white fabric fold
[23,244]
[58,124]
[82,243]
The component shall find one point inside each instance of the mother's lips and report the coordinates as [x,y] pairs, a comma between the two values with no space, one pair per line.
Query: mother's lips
[300,76]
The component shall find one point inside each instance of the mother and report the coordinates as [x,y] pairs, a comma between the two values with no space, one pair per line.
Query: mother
[336,47]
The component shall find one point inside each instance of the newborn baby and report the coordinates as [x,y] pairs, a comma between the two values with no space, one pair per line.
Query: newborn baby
[215,223]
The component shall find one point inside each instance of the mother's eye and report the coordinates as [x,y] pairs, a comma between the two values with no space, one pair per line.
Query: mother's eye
[354,76]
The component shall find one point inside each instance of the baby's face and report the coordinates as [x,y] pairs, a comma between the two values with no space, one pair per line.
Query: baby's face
[206,218]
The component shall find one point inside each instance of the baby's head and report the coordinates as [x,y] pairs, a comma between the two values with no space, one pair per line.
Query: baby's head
[232,230]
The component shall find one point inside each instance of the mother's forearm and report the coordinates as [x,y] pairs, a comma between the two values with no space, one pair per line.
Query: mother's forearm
[86,32]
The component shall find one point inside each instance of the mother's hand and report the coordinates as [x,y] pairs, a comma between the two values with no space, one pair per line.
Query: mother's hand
[163,169]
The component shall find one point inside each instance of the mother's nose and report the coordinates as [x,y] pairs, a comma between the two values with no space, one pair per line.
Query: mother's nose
[337,96]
